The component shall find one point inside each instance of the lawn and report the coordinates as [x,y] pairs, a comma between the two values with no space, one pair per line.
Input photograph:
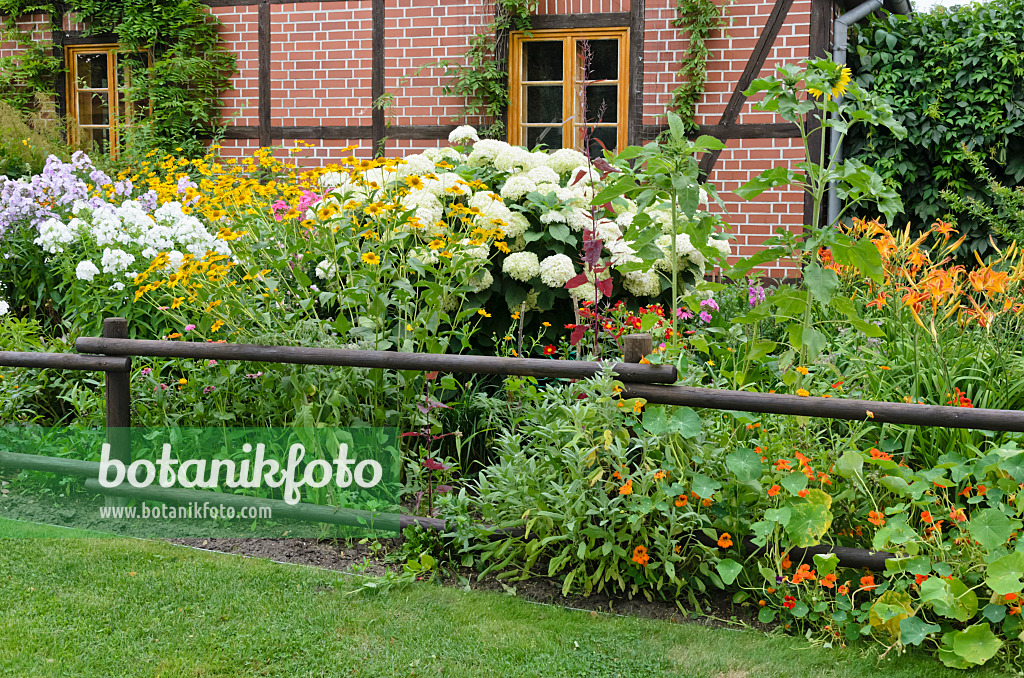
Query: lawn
[105,607]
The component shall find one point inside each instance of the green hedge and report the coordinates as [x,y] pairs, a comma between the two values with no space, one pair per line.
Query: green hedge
[954,77]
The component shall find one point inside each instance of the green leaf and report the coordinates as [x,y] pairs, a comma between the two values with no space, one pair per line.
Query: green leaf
[825,564]
[728,570]
[822,282]
[991,528]
[777,176]
[766,615]
[781,515]
[1004,575]
[913,630]
[965,602]
[685,422]
[704,487]
[745,464]
[850,464]
[976,644]
[809,523]
[794,482]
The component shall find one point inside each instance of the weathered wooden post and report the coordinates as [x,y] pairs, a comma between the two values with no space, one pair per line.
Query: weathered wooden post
[636,346]
[119,405]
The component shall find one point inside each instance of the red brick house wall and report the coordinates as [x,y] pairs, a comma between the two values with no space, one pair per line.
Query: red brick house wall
[321,75]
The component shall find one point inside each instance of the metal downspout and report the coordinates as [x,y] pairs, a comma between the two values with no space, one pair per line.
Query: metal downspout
[840,38]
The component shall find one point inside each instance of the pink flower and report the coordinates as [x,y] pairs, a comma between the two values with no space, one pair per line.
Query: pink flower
[209,389]
[257,375]
[211,363]
[189,327]
[146,371]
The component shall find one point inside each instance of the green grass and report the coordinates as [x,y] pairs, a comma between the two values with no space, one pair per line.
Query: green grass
[124,607]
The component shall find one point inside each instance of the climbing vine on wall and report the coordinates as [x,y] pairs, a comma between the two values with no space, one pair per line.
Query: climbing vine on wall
[695,19]
[183,84]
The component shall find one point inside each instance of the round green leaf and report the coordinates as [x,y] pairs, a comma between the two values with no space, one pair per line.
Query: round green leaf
[745,465]
[977,644]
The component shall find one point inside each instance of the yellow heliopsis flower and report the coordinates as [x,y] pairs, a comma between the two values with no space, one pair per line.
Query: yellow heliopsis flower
[371,258]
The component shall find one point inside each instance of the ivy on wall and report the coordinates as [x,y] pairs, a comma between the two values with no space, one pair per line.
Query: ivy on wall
[955,79]
[182,85]
[695,19]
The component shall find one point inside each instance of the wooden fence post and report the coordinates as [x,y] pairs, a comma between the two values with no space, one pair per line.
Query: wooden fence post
[636,346]
[119,405]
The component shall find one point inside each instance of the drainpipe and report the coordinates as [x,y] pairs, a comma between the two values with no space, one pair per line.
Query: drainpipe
[840,38]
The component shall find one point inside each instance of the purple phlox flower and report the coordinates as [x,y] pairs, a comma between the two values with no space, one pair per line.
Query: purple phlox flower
[705,316]
[710,303]
[755,294]
[189,327]
[209,389]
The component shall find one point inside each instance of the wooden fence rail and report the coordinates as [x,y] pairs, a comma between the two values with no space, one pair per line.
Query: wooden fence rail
[652,382]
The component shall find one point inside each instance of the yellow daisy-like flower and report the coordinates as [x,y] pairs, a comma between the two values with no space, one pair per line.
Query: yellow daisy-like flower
[803,392]
[436,244]
[217,325]
[802,370]
[371,258]
[413,182]
[483,313]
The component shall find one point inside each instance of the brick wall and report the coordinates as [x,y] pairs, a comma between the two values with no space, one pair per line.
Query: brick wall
[321,68]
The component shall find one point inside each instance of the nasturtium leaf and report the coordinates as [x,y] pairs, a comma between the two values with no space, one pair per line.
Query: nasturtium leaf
[728,570]
[850,463]
[766,615]
[936,590]
[913,630]
[685,422]
[809,523]
[655,422]
[745,464]
[800,610]
[994,613]
[704,487]
[896,485]
[965,602]
[825,564]
[794,482]
[780,515]
[889,610]
[1004,575]
[976,644]
[991,528]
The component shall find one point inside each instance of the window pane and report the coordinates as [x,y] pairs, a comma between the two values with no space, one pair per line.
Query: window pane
[549,137]
[603,59]
[601,138]
[543,103]
[602,103]
[542,60]
[93,109]
[94,138]
[92,71]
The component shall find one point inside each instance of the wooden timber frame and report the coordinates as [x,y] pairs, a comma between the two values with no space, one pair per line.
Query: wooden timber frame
[376,132]
[652,382]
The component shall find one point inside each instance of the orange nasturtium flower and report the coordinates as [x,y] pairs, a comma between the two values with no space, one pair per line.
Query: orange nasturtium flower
[876,518]
[707,502]
[659,475]
[867,582]
[640,556]
[957,515]
[803,572]
[773,490]
[844,588]
[627,488]
[926,516]
[725,541]
[828,581]
[786,562]
[681,502]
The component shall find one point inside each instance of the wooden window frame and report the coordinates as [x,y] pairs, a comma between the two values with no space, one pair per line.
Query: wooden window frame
[114,114]
[569,84]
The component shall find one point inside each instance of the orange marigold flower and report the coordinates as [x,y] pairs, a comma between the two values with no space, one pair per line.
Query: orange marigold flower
[876,518]
[640,556]
[725,541]
[867,582]
[829,581]
[627,488]
[773,490]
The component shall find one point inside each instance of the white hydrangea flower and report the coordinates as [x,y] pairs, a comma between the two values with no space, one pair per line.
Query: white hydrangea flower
[578,219]
[329,180]
[620,252]
[515,158]
[424,255]
[428,207]
[642,283]
[517,186]
[585,292]
[86,270]
[522,266]
[552,217]
[516,225]
[608,230]
[721,244]
[481,280]
[481,252]
[625,220]
[531,300]
[542,174]
[463,134]
[417,164]
[518,244]
[485,150]
[5,308]
[326,269]
[556,270]
[565,159]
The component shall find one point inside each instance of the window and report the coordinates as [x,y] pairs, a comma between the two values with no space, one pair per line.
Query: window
[564,84]
[98,76]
